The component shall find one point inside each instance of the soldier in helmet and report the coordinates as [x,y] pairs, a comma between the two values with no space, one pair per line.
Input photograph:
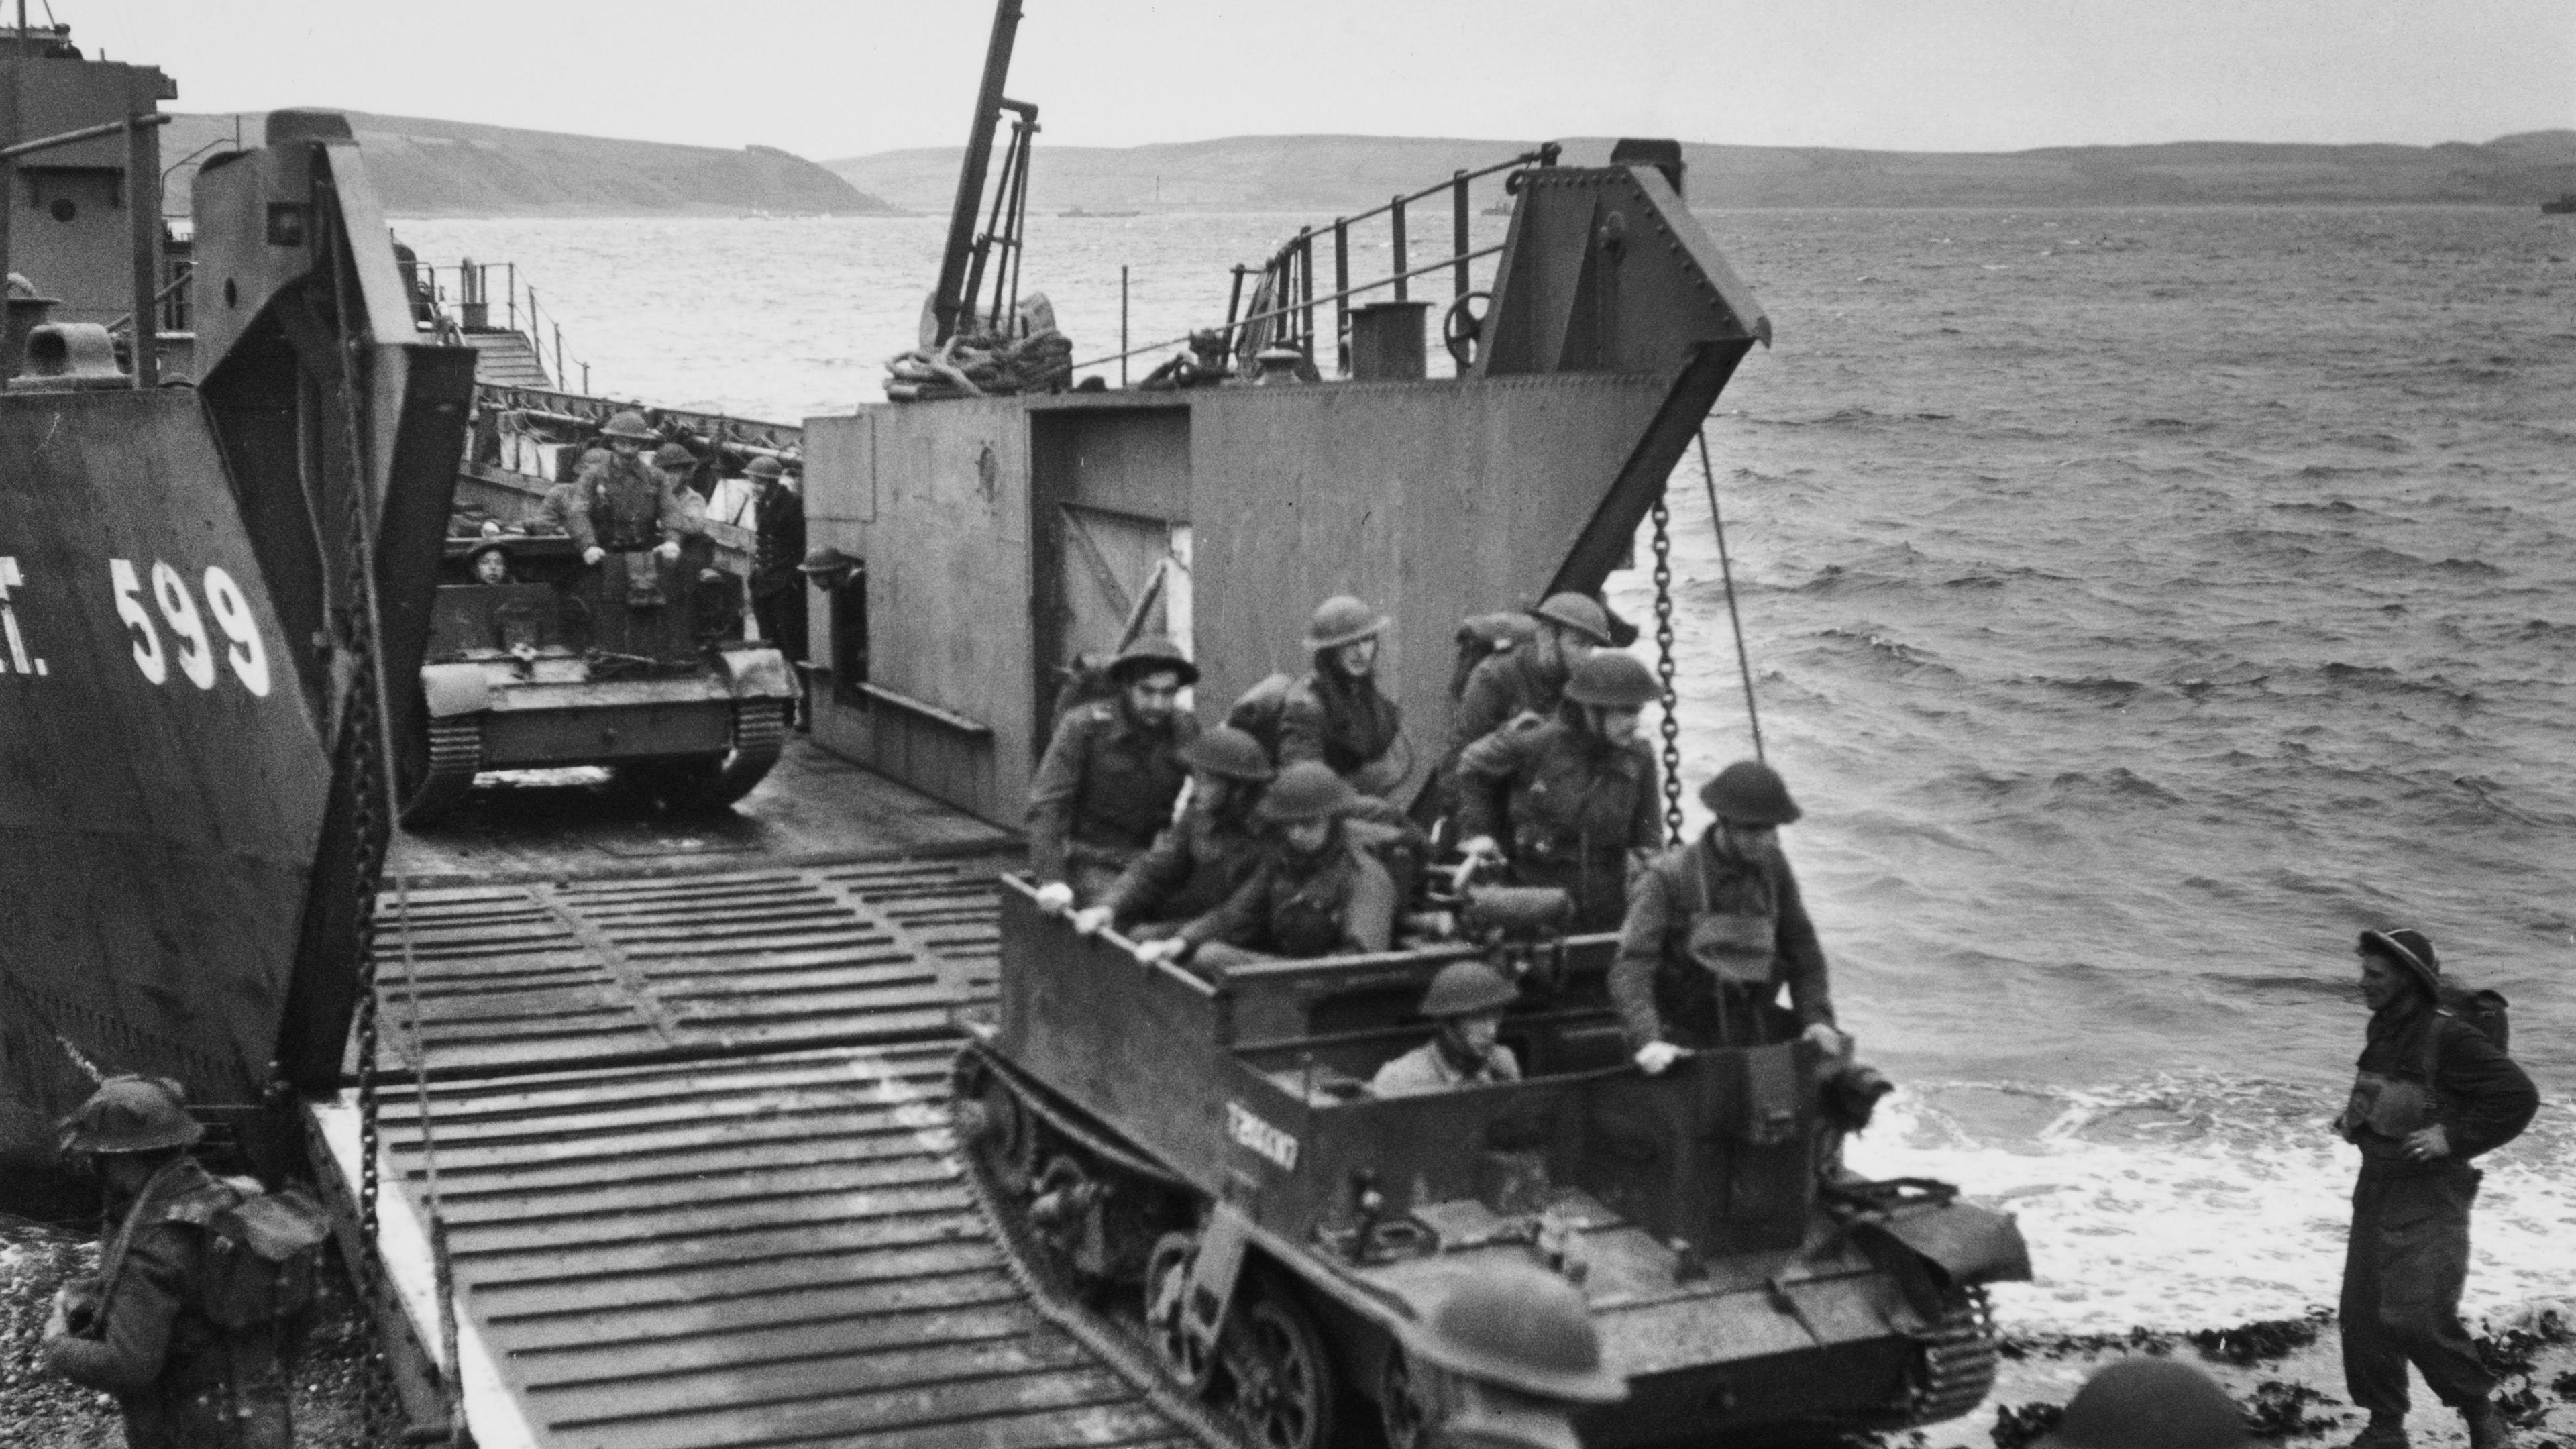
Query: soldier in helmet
[1513,1357]
[1199,859]
[1574,795]
[2149,1403]
[1110,775]
[777,589]
[627,508]
[1335,712]
[2430,1092]
[141,1330]
[1320,889]
[1465,1003]
[1530,678]
[554,514]
[1715,928]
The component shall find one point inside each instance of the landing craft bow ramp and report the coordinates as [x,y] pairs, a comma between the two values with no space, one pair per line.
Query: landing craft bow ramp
[693,1162]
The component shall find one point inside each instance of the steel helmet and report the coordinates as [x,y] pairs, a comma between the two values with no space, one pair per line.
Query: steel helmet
[2149,1403]
[131,1114]
[765,466]
[1229,752]
[1306,791]
[1153,654]
[1465,988]
[823,558]
[1521,1327]
[628,424]
[1577,612]
[672,455]
[1614,681]
[1342,620]
[2410,949]
[1749,792]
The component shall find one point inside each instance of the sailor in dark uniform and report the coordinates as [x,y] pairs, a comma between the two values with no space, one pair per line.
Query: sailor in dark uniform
[777,589]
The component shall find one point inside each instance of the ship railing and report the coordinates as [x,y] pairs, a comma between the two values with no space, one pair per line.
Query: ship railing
[464,292]
[1282,304]
[143,207]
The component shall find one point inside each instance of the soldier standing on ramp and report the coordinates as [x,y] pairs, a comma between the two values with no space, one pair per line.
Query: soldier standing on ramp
[145,1329]
[2431,1091]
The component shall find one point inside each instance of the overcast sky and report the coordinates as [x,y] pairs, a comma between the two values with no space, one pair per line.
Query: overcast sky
[832,78]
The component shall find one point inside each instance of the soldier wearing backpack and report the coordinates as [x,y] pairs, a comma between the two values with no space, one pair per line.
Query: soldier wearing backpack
[2433,1089]
[201,1280]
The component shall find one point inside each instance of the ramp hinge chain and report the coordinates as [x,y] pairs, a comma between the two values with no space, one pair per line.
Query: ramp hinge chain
[1671,727]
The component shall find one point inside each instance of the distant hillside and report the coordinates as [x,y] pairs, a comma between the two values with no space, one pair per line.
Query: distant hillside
[455,168]
[1346,173]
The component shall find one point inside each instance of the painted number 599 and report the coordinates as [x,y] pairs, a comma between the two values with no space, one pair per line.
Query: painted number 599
[191,644]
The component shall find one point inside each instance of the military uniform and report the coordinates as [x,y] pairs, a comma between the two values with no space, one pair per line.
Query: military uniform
[1192,867]
[1339,900]
[1427,1068]
[1567,806]
[182,1381]
[1346,724]
[1103,790]
[1700,913]
[2408,1256]
[627,507]
[1501,689]
[777,589]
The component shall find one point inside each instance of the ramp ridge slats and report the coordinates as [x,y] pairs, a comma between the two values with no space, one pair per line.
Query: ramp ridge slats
[674,1227]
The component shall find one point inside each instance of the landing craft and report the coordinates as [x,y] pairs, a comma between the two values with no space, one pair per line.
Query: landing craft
[202,584]
[692,1169]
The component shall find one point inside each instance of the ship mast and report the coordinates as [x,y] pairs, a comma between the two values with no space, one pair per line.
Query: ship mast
[949,300]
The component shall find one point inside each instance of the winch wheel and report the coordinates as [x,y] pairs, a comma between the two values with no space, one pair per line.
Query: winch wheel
[1283,1389]
[1462,324]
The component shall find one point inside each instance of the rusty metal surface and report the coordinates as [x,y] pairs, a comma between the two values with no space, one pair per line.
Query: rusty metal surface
[556,974]
[772,1250]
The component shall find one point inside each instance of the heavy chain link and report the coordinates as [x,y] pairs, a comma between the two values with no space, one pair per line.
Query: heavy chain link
[1671,727]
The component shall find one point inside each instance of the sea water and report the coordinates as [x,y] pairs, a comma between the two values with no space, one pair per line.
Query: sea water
[2140,603]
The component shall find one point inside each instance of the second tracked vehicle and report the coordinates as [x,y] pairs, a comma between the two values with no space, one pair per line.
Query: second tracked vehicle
[1199,1150]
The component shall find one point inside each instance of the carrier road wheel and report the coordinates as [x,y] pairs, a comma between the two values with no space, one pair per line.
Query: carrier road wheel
[1406,1406]
[1283,1380]
[437,774]
[1167,1283]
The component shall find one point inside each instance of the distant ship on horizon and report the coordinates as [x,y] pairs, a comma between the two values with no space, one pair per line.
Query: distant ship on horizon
[1079,213]
[2565,205]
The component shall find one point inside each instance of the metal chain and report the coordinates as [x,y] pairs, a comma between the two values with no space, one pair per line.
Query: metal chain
[1671,726]
[370,815]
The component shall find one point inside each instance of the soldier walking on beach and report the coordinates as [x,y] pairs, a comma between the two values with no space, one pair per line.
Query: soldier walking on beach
[2431,1091]
[147,1328]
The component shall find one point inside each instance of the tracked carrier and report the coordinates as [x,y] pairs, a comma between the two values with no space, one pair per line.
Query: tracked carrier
[1199,1151]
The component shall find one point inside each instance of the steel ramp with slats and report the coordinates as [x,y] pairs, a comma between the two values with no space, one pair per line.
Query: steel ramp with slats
[695,1170]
